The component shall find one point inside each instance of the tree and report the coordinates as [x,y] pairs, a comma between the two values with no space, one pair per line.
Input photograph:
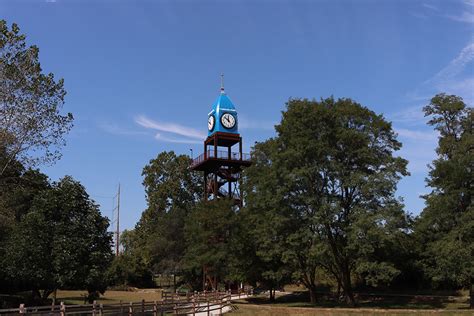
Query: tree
[209,233]
[61,242]
[333,178]
[18,188]
[446,225]
[266,223]
[129,269]
[30,103]
[172,189]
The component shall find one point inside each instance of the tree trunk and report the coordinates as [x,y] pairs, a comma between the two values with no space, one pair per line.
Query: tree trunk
[312,294]
[338,294]
[272,295]
[347,286]
[174,281]
[54,297]
[471,294]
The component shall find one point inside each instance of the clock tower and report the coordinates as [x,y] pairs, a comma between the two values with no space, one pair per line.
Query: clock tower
[222,161]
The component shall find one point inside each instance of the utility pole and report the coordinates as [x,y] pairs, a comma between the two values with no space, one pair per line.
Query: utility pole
[117,233]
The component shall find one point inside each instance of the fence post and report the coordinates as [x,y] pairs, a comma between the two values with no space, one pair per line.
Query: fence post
[143,307]
[101,309]
[208,308]
[194,306]
[155,310]
[161,308]
[130,309]
[175,307]
[93,307]
[121,307]
[62,309]
[22,309]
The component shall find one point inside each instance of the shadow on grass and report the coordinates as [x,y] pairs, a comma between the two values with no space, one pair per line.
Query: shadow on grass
[79,300]
[326,300]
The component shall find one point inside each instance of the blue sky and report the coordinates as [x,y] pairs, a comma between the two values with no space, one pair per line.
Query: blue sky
[141,76]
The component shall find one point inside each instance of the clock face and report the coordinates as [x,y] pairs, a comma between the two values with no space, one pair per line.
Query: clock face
[228,120]
[211,121]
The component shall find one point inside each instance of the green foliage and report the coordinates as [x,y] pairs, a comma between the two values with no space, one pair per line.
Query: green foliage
[446,226]
[266,221]
[18,188]
[61,242]
[157,242]
[325,190]
[209,235]
[128,270]
[30,103]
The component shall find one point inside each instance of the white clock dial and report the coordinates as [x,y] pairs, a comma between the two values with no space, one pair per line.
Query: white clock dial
[228,120]
[210,122]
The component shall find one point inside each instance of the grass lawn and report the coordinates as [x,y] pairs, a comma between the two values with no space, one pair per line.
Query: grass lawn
[110,297]
[297,303]
[266,310]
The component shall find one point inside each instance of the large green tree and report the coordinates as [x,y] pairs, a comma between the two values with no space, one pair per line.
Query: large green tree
[129,269]
[446,225]
[266,221]
[18,188]
[209,235]
[30,103]
[172,189]
[333,175]
[61,242]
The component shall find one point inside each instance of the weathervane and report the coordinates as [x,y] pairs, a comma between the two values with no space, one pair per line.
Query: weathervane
[222,83]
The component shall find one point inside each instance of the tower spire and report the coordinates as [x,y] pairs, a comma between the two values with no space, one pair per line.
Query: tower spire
[222,83]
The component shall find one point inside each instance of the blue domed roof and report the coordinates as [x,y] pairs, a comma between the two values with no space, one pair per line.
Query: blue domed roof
[221,106]
[223,102]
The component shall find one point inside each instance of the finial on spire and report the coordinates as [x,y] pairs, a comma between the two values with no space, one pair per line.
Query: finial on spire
[222,83]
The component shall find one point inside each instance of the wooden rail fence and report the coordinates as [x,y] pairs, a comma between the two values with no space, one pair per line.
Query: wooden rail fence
[197,303]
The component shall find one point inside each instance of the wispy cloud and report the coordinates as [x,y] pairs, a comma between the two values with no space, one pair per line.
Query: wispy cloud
[409,116]
[469,2]
[419,15]
[51,1]
[191,135]
[169,128]
[418,147]
[456,66]
[465,16]
[455,78]
[247,123]
[419,155]
[417,135]
[116,129]
[463,88]
[158,136]
[430,6]
[419,140]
